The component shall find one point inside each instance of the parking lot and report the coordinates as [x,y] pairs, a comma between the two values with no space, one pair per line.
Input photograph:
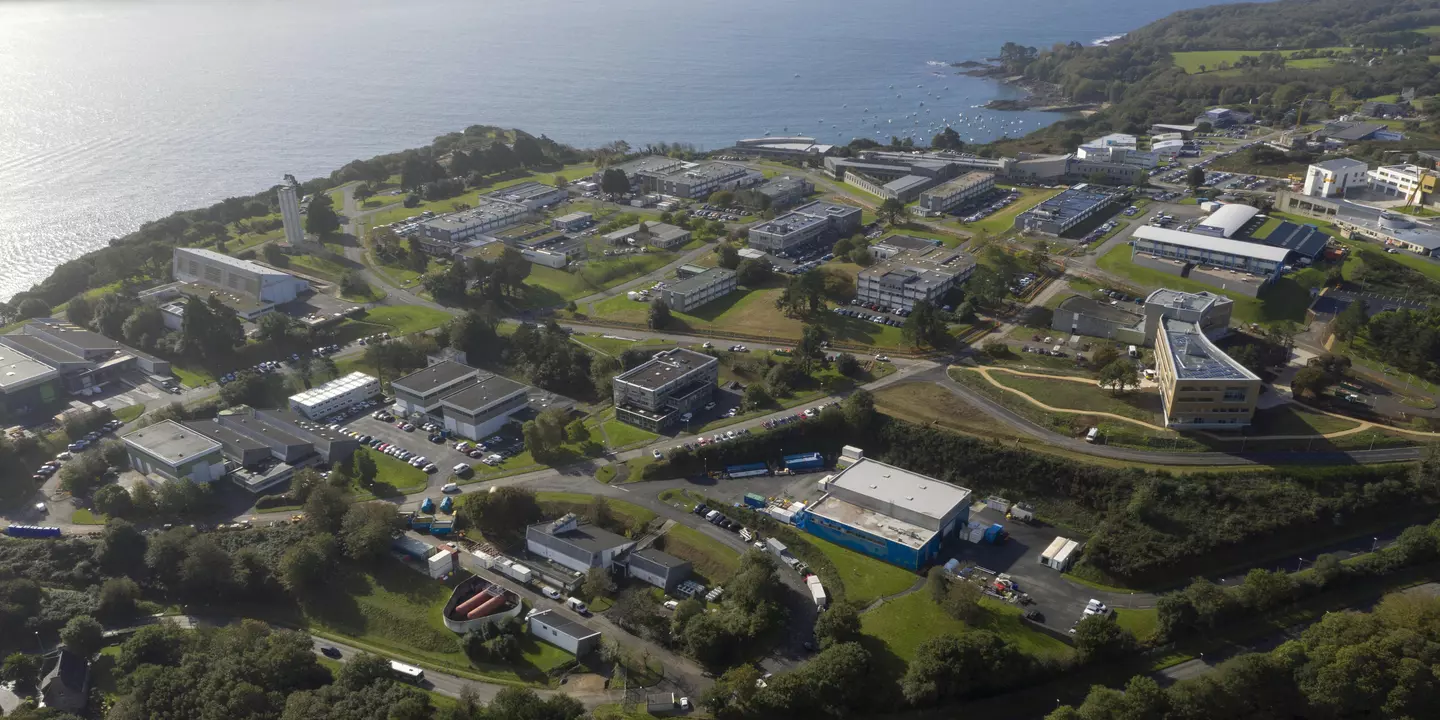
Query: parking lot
[443,455]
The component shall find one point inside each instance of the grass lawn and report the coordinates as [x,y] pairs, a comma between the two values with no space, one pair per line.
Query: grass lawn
[903,624]
[553,287]
[614,346]
[396,611]
[406,319]
[86,517]
[1138,404]
[129,413]
[1140,623]
[636,516]
[320,267]
[713,560]
[1190,62]
[1285,299]
[1292,419]
[624,435]
[866,579]
[192,377]
[1004,220]
[396,473]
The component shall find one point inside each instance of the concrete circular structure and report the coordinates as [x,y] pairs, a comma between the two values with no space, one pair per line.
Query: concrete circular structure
[477,602]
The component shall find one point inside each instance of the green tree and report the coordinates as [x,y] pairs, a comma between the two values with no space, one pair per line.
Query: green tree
[325,510]
[113,501]
[122,548]
[757,397]
[1310,380]
[926,326]
[1350,321]
[306,566]
[598,583]
[32,307]
[729,256]
[1119,375]
[949,667]
[80,310]
[847,365]
[1104,355]
[366,529]
[659,316]
[1101,638]
[365,469]
[21,669]
[118,602]
[207,570]
[504,514]
[753,273]
[576,432]
[892,212]
[1195,177]
[838,624]
[320,218]
[83,636]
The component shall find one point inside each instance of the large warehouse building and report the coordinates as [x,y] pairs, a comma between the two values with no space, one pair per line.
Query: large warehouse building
[254,281]
[888,513]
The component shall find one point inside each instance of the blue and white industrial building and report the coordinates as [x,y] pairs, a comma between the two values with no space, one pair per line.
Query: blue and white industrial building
[888,513]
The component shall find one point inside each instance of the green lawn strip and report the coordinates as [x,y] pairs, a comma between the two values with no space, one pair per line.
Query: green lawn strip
[323,268]
[552,287]
[522,462]
[1290,419]
[866,579]
[715,561]
[1191,61]
[615,346]
[636,515]
[374,294]
[623,435]
[129,413]
[605,473]
[82,516]
[1004,220]
[1138,404]
[397,473]
[1140,623]
[904,623]
[192,377]
[406,319]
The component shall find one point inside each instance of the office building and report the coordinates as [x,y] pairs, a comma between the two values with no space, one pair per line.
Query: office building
[1410,182]
[1114,173]
[420,392]
[1333,177]
[335,397]
[783,147]
[566,542]
[1201,386]
[572,222]
[254,281]
[1366,222]
[85,361]
[1167,149]
[657,568]
[697,180]
[888,513]
[479,410]
[264,448]
[28,387]
[1339,134]
[891,245]
[805,226]
[1186,132]
[1193,248]
[634,169]
[287,194]
[530,194]
[562,632]
[489,215]
[173,451]
[1063,212]
[1079,315]
[1117,148]
[785,191]
[910,276]
[1221,118]
[657,393]
[1227,220]
[957,192]
[662,236]
[690,293]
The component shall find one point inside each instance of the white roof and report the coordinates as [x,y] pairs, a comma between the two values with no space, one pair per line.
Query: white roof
[1230,218]
[224,259]
[333,389]
[1054,548]
[1167,144]
[1213,244]
[898,487]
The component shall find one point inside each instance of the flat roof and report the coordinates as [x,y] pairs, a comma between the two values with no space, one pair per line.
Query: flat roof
[79,337]
[37,348]
[171,441]
[701,281]
[1350,131]
[789,223]
[564,625]
[922,269]
[898,487]
[586,537]
[575,217]
[485,210]
[659,558]
[227,437]
[1070,203]
[1394,225]
[1304,240]
[1230,218]
[820,208]
[333,389]
[1082,305]
[424,382]
[907,182]
[782,184]
[907,242]
[1340,164]
[18,370]
[871,521]
[1181,300]
[649,163]
[960,184]
[521,192]
[475,398]
[1211,243]
[666,367]
[227,260]
[707,170]
[660,230]
[1196,358]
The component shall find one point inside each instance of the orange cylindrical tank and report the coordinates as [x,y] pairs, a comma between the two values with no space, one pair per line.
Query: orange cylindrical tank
[490,606]
[472,603]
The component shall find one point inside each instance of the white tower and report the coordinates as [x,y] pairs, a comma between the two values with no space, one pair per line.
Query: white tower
[290,214]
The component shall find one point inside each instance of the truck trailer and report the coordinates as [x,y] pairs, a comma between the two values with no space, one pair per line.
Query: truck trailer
[747,470]
[805,462]
[32,531]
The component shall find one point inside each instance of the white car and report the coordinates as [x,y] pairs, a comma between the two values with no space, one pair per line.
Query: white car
[450,488]
[550,592]
[657,454]
[672,604]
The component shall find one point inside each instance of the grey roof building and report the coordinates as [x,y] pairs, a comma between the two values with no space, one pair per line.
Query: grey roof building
[657,568]
[65,681]
[1066,210]
[420,391]
[562,632]
[656,394]
[805,225]
[693,292]
[912,276]
[785,190]
[579,547]
[174,452]
[531,194]
[655,234]
[478,410]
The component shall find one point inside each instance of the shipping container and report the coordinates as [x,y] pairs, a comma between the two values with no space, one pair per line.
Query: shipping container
[32,531]
[747,470]
[995,533]
[442,527]
[1066,556]
[997,503]
[519,572]
[447,504]
[976,534]
[782,515]
[441,564]
[754,500]
[1047,558]
[817,592]
[1022,511]
[427,506]
[805,461]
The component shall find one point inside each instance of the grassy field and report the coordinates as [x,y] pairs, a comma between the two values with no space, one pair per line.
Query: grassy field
[396,473]
[866,579]
[83,516]
[1190,62]
[396,611]
[634,514]
[713,560]
[550,287]
[1004,220]
[440,207]
[1296,420]
[1138,404]
[614,346]
[901,625]
[624,435]
[406,319]
[192,377]
[129,413]
[1141,623]
[320,267]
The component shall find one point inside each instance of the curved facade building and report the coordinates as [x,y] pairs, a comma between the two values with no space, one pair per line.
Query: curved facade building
[478,602]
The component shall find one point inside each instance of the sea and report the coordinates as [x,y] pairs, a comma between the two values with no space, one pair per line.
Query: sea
[116,112]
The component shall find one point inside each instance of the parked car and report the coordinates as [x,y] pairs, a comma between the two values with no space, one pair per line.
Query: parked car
[550,592]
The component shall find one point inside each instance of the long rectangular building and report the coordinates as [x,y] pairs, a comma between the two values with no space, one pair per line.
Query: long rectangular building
[336,396]
[697,180]
[804,226]
[1247,257]
[255,281]
[656,393]
[912,276]
[1201,386]
[957,192]
[889,513]
[488,215]
[1063,212]
[692,292]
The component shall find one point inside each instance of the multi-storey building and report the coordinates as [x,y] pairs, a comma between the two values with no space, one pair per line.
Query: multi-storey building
[697,180]
[1201,386]
[957,192]
[911,276]
[290,213]
[487,216]
[1064,211]
[336,396]
[1333,177]
[1410,182]
[804,226]
[692,292]
[655,394]
[532,195]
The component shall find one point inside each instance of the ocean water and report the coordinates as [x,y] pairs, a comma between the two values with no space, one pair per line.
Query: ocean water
[115,112]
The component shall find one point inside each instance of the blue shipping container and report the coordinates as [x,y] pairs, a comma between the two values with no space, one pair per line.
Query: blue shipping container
[807,461]
[993,533]
[428,506]
[447,504]
[747,470]
[32,531]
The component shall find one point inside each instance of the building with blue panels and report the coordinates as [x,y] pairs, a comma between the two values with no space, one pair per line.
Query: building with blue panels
[888,513]
[1066,210]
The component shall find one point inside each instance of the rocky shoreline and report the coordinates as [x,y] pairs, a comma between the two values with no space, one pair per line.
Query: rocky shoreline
[1040,96]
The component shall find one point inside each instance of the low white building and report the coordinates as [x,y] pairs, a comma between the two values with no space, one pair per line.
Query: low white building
[175,452]
[479,410]
[562,632]
[1333,178]
[336,396]
[1408,181]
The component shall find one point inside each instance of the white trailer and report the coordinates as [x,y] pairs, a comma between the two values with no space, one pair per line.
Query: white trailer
[997,503]
[817,592]
[1056,545]
[441,564]
[1066,557]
